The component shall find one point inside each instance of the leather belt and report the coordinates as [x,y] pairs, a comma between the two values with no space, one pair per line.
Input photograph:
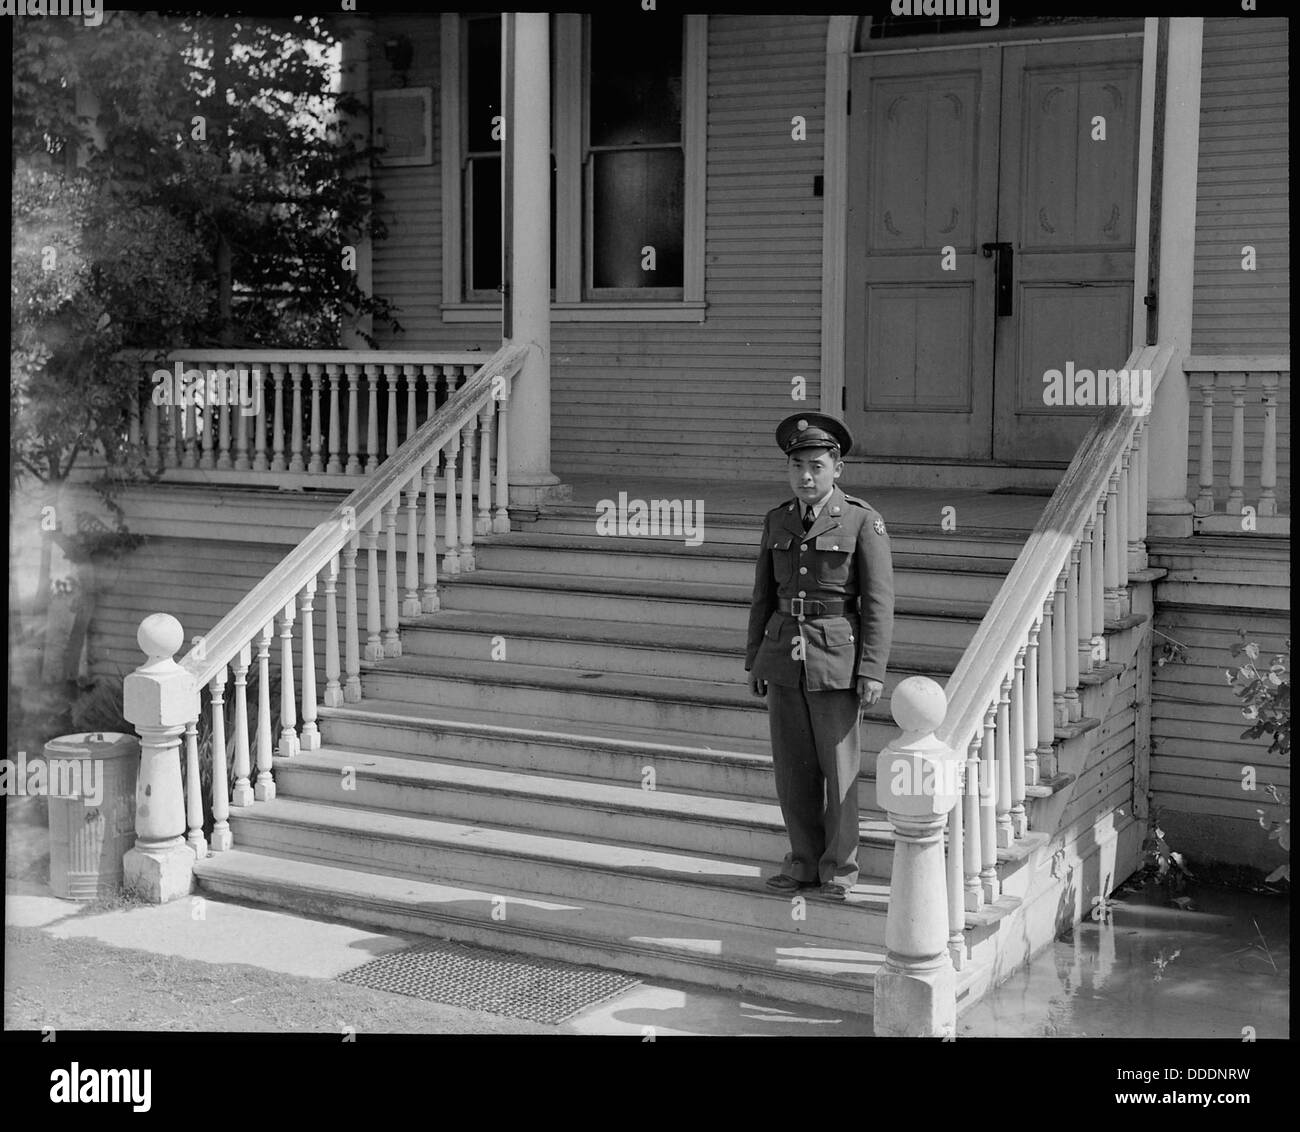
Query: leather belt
[803,608]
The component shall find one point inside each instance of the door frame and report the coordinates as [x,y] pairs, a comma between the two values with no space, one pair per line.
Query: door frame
[840,35]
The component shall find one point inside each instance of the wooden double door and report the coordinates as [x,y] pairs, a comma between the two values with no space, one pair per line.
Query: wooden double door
[992,214]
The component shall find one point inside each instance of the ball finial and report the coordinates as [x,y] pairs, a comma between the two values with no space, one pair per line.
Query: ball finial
[918,704]
[160,635]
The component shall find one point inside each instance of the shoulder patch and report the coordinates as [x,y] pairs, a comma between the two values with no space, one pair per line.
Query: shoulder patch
[879,526]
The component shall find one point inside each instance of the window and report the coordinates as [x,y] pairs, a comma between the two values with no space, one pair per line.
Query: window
[627,167]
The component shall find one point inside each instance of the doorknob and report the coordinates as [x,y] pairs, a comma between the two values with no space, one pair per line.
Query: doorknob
[1003,268]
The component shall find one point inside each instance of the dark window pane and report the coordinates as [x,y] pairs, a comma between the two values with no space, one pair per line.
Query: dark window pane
[483,58]
[637,203]
[483,222]
[636,79]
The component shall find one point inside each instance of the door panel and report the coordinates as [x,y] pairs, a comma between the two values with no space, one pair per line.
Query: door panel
[922,176]
[1067,201]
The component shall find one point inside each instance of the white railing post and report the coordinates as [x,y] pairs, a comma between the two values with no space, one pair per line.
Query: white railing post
[1237,458]
[974,899]
[1097,582]
[1073,704]
[374,615]
[483,523]
[467,496]
[333,688]
[333,465]
[988,776]
[353,467]
[288,747]
[372,422]
[1086,644]
[264,787]
[1002,748]
[1268,454]
[429,600]
[1019,818]
[241,793]
[194,793]
[501,520]
[159,699]
[315,464]
[917,784]
[351,622]
[221,839]
[309,740]
[1033,704]
[278,463]
[392,635]
[450,527]
[1046,698]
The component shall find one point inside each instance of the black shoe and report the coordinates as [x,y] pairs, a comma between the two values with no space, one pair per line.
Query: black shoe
[833,891]
[780,882]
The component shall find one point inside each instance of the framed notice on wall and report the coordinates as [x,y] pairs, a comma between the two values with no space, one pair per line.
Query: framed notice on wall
[403,125]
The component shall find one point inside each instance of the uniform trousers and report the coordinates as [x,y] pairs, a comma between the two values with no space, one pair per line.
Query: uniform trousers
[816,756]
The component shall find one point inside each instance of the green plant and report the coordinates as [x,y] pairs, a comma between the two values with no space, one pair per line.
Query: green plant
[1170,868]
[1265,695]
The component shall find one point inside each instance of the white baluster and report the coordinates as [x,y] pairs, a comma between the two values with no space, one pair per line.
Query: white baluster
[228,396]
[501,520]
[296,463]
[1237,461]
[351,623]
[1016,712]
[1032,705]
[191,458]
[412,373]
[1111,542]
[411,599]
[194,793]
[467,497]
[241,416]
[393,373]
[429,599]
[1073,703]
[334,466]
[451,559]
[988,777]
[241,794]
[333,689]
[1059,637]
[1086,645]
[956,891]
[392,638]
[354,419]
[374,617]
[1122,523]
[1097,582]
[310,738]
[260,462]
[1268,454]
[315,464]
[1205,476]
[483,522]
[288,699]
[970,803]
[1137,504]
[264,787]
[278,462]
[1002,747]
[372,423]
[221,839]
[208,425]
[1046,702]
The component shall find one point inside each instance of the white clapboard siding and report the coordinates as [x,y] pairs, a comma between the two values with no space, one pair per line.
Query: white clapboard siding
[1242,190]
[1196,724]
[639,396]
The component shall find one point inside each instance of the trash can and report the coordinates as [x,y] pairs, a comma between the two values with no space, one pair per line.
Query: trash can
[92,811]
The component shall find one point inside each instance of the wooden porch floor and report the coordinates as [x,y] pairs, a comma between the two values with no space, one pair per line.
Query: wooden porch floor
[913,509]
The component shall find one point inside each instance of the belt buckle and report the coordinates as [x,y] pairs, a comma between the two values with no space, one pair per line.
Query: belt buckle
[796,607]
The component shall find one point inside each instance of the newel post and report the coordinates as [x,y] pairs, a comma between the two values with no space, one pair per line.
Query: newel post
[917,783]
[159,699]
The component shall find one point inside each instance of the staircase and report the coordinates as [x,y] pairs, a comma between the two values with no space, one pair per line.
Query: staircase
[566,761]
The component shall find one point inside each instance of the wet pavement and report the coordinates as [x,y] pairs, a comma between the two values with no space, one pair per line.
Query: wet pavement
[1216,966]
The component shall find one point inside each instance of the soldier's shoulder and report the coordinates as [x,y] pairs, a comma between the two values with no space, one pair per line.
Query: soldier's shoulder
[857,502]
[784,505]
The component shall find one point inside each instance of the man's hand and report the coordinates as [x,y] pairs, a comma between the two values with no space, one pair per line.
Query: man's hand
[758,687]
[869,691]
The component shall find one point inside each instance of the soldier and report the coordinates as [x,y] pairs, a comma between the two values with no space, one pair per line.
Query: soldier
[820,627]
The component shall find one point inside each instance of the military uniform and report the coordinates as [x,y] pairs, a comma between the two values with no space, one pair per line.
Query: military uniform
[821,618]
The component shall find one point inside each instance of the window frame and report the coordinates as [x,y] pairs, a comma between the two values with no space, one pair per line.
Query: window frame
[568,132]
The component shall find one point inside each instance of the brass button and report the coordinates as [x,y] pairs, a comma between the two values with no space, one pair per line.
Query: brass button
[804,547]
[803,569]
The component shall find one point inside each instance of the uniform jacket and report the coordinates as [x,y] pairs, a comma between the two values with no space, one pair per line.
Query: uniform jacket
[844,554]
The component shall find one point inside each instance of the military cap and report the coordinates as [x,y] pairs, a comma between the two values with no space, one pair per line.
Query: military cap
[813,430]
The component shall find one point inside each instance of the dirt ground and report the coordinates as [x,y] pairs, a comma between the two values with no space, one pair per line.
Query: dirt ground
[79,984]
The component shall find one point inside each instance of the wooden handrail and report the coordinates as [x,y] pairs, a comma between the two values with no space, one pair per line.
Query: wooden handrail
[323,357]
[1237,363]
[991,653]
[266,600]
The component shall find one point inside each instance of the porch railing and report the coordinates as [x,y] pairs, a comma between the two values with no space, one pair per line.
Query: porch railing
[1014,692]
[1237,483]
[294,418]
[459,436]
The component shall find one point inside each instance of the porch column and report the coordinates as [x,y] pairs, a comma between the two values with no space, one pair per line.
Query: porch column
[1169,512]
[354,78]
[527,170]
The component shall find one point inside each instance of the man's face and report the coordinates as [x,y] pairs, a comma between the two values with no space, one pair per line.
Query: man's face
[813,471]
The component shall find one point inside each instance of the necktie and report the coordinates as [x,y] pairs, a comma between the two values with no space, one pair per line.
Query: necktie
[808,517]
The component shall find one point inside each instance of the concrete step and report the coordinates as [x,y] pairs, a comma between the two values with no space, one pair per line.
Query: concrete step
[598,811]
[939,621]
[666,708]
[698,886]
[686,651]
[970,578]
[784,964]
